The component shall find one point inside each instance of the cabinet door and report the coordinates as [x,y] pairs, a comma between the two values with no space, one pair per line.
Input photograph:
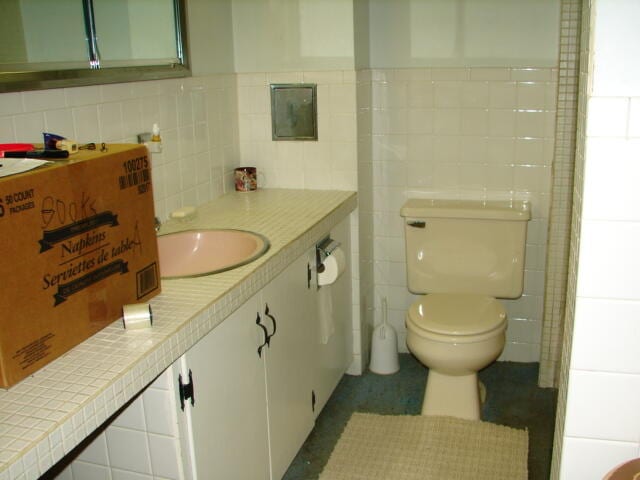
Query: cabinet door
[288,364]
[333,353]
[228,425]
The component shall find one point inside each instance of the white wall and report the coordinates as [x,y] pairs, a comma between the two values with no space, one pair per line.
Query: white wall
[456,109]
[484,133]
[361,42]
[210,30]
[464,131]
[142,442]
[286,35]
[198,140]
[329,162]
[12,45]
[602,384]
[471,33]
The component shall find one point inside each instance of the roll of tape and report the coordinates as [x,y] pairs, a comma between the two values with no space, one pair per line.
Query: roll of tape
[137,315]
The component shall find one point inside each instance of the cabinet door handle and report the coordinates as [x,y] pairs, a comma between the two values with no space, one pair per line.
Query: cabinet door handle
[186,390]
[266,335]
[273,320]
[417,224]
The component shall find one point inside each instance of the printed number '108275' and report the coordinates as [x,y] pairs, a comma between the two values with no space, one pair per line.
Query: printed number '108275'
[135,164]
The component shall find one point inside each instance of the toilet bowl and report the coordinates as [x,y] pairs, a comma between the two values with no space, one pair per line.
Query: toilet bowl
[461,255]
[455,336]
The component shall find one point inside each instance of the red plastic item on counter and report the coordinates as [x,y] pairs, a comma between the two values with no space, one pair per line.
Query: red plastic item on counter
[14,147]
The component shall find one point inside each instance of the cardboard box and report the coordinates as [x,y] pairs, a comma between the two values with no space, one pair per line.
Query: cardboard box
[78,242]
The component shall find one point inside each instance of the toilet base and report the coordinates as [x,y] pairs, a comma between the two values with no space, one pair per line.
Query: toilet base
[454,396]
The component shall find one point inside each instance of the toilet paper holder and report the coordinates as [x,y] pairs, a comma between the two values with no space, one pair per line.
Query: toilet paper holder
[324,248]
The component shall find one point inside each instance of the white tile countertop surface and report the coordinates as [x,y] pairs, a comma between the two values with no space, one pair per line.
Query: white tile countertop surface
[48,414]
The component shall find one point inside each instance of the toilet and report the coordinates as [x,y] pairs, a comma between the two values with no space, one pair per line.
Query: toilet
[461,255]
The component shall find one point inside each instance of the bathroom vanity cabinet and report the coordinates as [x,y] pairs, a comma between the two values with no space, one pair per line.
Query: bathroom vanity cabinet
[261,377]
[253,399]
[251,412]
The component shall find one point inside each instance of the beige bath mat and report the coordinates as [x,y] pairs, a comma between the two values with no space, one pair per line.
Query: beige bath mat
[386,447]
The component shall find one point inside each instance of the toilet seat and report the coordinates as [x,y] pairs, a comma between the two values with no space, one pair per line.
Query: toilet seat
[439,315]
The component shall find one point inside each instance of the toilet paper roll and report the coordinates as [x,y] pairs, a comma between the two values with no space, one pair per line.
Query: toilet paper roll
[334,265]
[137,315]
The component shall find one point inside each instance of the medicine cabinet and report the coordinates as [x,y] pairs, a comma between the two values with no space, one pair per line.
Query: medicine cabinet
[45,44]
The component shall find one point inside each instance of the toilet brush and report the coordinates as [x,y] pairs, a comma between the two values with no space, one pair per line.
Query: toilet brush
[384,346]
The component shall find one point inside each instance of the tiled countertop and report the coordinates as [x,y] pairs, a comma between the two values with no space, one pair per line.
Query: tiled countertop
[48,414]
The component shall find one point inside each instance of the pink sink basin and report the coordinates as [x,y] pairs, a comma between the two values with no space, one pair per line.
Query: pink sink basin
[194,253]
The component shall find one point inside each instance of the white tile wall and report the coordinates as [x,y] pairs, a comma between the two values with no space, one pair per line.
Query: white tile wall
[599,427]
[610,266]
[463,132]
[199,143]
[621,156]
[604,349]
[593,390]
[587,458]
[616,73]
[330,162]
[142,442]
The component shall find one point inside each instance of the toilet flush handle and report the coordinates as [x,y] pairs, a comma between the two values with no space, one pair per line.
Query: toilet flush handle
[417,223]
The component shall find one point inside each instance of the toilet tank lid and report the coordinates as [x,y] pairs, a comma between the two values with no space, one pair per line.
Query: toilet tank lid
[514,210]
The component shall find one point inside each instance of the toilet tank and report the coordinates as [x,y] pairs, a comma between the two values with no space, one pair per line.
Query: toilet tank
[465,246]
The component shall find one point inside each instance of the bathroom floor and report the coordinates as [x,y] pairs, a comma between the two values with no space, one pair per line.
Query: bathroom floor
[513,399]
